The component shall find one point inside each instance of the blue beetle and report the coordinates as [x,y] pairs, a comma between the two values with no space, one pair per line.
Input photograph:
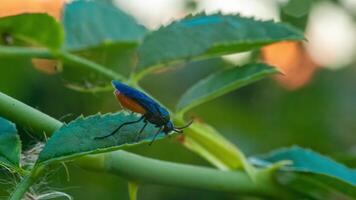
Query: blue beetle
[150,110]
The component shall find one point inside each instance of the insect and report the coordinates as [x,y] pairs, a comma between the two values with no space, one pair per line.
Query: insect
[136,101]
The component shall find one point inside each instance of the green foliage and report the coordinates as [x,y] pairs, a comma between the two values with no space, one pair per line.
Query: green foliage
[106,36]
[201,36]
[48,32]
[10,145]
[314,175]
[78,138]
[208,143]
[90,24]
[222,82]
[296,12]
[101,43]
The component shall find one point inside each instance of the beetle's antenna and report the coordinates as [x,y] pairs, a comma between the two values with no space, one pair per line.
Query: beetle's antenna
[185,126]
[178,130]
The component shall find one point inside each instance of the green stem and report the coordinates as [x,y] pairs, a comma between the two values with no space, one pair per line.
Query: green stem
[36,121]
[25,183]
[133,188]
[137,76]
[65,56]
[24,52]
[76,60]
[27,116]
[147,170]
[22,188]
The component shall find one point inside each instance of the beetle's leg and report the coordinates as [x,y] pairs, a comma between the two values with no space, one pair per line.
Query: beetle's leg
[143,128]
[118,128]
[154,137]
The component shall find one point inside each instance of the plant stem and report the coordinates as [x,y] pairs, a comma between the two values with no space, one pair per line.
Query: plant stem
[22,188]
[76,60]
[147,170]
[27,116]
[137,76]
[133,188]
[16,52]
[26,183]
[64,56]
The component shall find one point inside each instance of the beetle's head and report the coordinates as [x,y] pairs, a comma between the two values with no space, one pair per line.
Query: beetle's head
[169,127]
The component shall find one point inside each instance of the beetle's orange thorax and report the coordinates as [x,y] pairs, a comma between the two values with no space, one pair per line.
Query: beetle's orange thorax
[129,103]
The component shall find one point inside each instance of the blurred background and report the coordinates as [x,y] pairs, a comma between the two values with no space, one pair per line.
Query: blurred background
[312,105]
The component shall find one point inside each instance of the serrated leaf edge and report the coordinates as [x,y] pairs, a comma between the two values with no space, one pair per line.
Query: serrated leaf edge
[292,169]
[183,109]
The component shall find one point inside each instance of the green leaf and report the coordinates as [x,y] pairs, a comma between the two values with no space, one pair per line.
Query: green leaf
[221,83]
[78,137]
[296,12]
[211,145]
[10,145]
[35,29]
[92,23]
[313,174]
[106,36]
[202,36]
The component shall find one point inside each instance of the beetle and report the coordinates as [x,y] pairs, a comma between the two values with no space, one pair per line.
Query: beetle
[138,102]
